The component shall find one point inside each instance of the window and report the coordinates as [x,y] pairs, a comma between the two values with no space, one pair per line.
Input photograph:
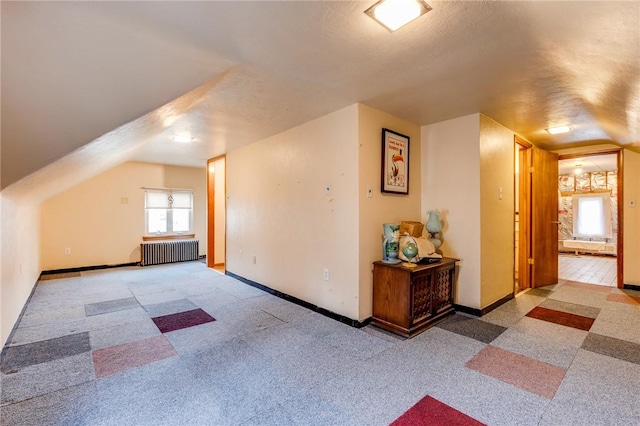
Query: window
[591,216]
[168,211]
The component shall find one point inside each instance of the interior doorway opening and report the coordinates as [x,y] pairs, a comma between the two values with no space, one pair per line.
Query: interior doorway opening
[216,213]
[589,235]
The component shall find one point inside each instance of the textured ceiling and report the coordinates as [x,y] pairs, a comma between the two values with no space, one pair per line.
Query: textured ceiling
[84,74]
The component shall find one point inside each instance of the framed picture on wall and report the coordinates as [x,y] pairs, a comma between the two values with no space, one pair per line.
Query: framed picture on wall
[395,162]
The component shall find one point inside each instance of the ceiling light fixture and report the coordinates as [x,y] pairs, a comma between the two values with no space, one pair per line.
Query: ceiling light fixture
[578,169]
[559,129]
[393,14]
[183,138]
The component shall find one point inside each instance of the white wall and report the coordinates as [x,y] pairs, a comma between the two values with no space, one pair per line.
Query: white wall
[279,212]
[20,261]
[450,161]
[102,219]
[497,207]
[381,207]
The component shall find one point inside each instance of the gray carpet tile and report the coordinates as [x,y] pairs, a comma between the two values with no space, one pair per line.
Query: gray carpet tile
[552,332]
[537,347]
[610,346]
[357,343]
[542,292]
[40,379]
[596,391]
[17,357]
[471,327]
[25,335]
[571,308]
[170,307]
[123,333]
[111,306]
[61,315]
[61,407]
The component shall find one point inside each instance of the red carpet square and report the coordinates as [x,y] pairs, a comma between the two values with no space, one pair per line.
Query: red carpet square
[182,320]
[561,318]
[518,370]
[623,298]
[118,358]
[429,411]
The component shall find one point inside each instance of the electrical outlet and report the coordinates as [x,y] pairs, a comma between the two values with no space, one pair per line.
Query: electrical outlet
[253,259]
[67,251]
[325,274]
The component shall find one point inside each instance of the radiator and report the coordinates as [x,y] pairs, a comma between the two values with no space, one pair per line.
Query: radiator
[157,252]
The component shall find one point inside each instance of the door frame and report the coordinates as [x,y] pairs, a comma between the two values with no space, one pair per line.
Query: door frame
[211,204]
[620,187]
[524,214]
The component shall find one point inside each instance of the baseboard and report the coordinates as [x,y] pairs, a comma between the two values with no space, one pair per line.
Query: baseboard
[631,287]
[87,268]
[483,311]
[305,304]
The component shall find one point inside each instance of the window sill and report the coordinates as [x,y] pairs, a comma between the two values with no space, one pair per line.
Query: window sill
[168,237]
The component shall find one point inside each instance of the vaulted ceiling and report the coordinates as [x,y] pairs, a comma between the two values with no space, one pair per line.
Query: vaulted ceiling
[88,84]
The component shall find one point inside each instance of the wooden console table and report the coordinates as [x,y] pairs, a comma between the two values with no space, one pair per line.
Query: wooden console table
[407,301]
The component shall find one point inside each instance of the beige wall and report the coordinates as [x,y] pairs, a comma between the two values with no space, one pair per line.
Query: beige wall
[381,207]
[20,266]
[451,183]
[497,211]
[465,162]
[278,211]
[631,217]
[102,219]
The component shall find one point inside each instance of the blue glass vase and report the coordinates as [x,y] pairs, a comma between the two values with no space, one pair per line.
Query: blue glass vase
[433,225]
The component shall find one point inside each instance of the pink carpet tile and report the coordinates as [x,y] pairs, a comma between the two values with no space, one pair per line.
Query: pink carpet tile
[429,411]
[518,370]
[624,298]
[585,286]
[118,358]
[561,318]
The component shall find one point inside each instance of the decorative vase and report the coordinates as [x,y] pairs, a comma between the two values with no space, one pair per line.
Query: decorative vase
[434,226]
[391,234]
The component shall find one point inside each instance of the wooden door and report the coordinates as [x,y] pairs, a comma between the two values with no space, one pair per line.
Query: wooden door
[524,219]
[544,218]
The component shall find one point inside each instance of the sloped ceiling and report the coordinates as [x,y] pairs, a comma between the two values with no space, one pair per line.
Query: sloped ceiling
[75,72]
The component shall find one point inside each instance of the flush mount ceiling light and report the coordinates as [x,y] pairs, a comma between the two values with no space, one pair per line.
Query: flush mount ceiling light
[578,169]
[393,14]
[183,138]
[559,129]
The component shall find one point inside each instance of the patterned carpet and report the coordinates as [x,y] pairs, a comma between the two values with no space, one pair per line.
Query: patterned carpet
[183,344]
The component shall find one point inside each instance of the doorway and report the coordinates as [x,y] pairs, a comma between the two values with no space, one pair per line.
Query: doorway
[216,213]
[590,234]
